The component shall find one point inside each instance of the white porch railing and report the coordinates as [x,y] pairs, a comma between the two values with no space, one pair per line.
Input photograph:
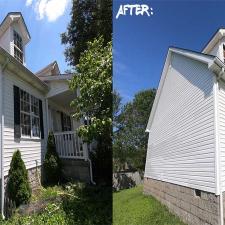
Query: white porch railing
[69,145]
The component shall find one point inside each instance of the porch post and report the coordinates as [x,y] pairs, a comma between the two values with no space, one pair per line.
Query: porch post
[47,119]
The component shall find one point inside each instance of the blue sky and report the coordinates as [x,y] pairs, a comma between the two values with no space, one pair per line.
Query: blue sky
[140,43]
[46,20]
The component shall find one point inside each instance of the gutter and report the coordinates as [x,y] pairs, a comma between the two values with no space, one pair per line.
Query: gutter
[2,138]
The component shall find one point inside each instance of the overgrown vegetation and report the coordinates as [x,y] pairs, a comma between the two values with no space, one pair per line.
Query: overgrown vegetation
[130,122]
[18,187]
[52,164]
[131,207]
[80,205]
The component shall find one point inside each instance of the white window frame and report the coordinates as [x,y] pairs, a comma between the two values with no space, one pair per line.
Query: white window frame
[17,48]
[31,114]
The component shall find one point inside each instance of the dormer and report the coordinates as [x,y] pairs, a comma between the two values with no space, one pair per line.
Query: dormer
[14,35]
[50,70]
[216,45]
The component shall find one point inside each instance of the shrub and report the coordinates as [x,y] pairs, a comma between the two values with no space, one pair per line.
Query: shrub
[18,186]
[52,164]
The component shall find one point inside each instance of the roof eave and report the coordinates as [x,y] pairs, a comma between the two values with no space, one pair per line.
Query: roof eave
[219,34]
[20,70]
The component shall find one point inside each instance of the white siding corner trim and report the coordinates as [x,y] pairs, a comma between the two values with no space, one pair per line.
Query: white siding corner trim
[221,131]
[217,139]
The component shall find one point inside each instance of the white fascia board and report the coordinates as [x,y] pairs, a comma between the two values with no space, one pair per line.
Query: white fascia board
[158,93]
[195,56]
[58,77]
[21,71]
[214,40]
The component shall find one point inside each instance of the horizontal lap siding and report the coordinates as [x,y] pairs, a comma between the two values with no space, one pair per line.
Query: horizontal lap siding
[31,149]
[181,146]
[221,121]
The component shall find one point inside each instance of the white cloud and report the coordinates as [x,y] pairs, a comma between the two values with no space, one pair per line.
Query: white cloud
[51,9]
[28,2]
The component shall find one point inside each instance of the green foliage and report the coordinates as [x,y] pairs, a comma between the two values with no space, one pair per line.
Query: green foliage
[95,86]
[94,81]
[81,205]
[52,215]
[130,138]
[52,163]
[89,19]
[18,187]
[132,207]
[89,205]
[46,193]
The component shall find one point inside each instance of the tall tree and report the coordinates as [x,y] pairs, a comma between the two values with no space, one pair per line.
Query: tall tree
[89,19]
[130,140]
[94,81]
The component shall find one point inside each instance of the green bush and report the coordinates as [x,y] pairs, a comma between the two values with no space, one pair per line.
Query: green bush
[52,164]
[18,186]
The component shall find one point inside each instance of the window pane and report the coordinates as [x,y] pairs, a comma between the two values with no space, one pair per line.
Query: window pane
[18,47]
[34,106]
[24,101]
[25,124]
[66,122]
[35,127]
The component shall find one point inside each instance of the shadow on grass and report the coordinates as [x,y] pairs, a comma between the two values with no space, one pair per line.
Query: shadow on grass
[91,206]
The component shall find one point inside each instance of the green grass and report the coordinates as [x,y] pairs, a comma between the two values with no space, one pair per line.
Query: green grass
[131,207]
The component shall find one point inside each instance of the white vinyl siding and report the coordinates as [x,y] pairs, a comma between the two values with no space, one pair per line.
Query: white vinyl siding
[221,130]
[32,149]
[181,148]
[5,40]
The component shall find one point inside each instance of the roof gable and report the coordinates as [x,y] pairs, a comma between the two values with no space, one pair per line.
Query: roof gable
[204,58]
[50,70]
[15,17]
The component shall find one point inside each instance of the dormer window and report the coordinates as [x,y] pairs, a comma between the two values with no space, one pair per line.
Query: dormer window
[18,47]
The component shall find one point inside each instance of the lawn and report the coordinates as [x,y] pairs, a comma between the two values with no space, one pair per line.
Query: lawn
[131,207]
[75,204]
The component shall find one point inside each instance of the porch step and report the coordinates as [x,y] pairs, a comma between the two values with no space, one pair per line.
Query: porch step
[76,169]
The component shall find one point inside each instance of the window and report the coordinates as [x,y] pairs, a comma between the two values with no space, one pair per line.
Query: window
[29,115]
[66,122]
[18,47]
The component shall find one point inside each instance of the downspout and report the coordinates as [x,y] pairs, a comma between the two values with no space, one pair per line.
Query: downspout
[91,173]
[87,153]
[2,135]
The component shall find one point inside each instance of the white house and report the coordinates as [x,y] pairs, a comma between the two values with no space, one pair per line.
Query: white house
[185,164]
[31,105]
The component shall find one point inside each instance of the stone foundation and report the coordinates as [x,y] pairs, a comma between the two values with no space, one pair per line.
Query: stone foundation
[34,175]
[200,209]
[75,169]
